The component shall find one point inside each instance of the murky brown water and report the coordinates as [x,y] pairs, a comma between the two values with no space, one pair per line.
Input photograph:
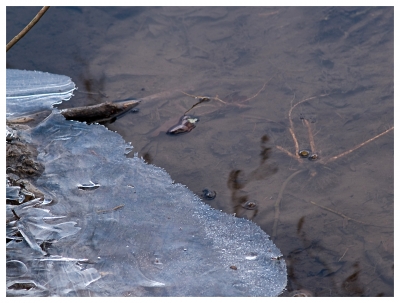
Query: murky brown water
[259,62]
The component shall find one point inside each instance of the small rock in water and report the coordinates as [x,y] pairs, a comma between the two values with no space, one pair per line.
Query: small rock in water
[209,194]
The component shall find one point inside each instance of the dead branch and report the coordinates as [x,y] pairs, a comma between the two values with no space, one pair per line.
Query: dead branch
[103,112]
[358,146]
[344,216]
[278,201]
[310,136]
[27,28]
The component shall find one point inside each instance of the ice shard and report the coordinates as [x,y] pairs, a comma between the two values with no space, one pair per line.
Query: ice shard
[120,227]
[32,91]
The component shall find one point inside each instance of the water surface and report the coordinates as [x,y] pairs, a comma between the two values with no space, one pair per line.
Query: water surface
[258,62]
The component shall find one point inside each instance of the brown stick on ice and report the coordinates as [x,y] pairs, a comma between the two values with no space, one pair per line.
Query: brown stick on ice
[27,28]
[99,113]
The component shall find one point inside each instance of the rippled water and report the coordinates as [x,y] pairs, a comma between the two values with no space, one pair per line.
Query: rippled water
[254,63]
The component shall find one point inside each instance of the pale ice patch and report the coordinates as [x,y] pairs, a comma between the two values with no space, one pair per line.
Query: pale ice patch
[28,92]
[120,227]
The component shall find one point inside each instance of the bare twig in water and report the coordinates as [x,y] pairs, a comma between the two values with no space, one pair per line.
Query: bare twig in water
[216,98]
[287,152]
[343,254]
[193,96]
[313,149]
[302,101]
[204,99]
[291,128]
[296,143]
[27,28]
[358,146]
[336,212]
[344,216]
[310,136]
[278,201]
[262,88]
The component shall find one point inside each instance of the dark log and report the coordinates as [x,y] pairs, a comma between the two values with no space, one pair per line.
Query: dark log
[99,113]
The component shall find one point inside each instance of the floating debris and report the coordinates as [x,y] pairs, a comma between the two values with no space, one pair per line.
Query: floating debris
[304,153]
[209,194]
[250,205]
[89,186]
[186,124]
[313,157]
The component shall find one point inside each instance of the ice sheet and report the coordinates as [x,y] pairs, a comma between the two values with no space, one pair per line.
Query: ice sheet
[121,227]
[28,92]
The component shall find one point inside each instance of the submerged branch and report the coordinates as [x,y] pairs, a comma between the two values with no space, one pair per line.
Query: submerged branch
[358,146]
[278,201]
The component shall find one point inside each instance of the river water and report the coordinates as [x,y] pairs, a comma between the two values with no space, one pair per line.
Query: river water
[332,218]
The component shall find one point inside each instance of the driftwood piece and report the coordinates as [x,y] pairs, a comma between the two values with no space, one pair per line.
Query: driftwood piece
[100,113]
[103,112]
[27,28]
[33,118]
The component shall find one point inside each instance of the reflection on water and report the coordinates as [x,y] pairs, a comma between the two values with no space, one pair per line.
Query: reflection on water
[228,54]
[242,206]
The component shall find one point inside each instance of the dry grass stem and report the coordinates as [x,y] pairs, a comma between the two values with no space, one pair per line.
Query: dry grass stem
[287,152]
[296,143]
[310,136]
[302,101]
[336,212]
[344,216]
[291,127]
[217,98]
[262,88]
[343,254]
[358,146]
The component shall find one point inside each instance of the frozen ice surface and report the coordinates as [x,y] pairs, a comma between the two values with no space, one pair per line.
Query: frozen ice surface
[12,192]
[28,92]
[120,227]
[141,232]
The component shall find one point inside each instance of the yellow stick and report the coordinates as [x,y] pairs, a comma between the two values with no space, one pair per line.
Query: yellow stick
[310,136]
[287,152]
[291,128]
[358,146]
